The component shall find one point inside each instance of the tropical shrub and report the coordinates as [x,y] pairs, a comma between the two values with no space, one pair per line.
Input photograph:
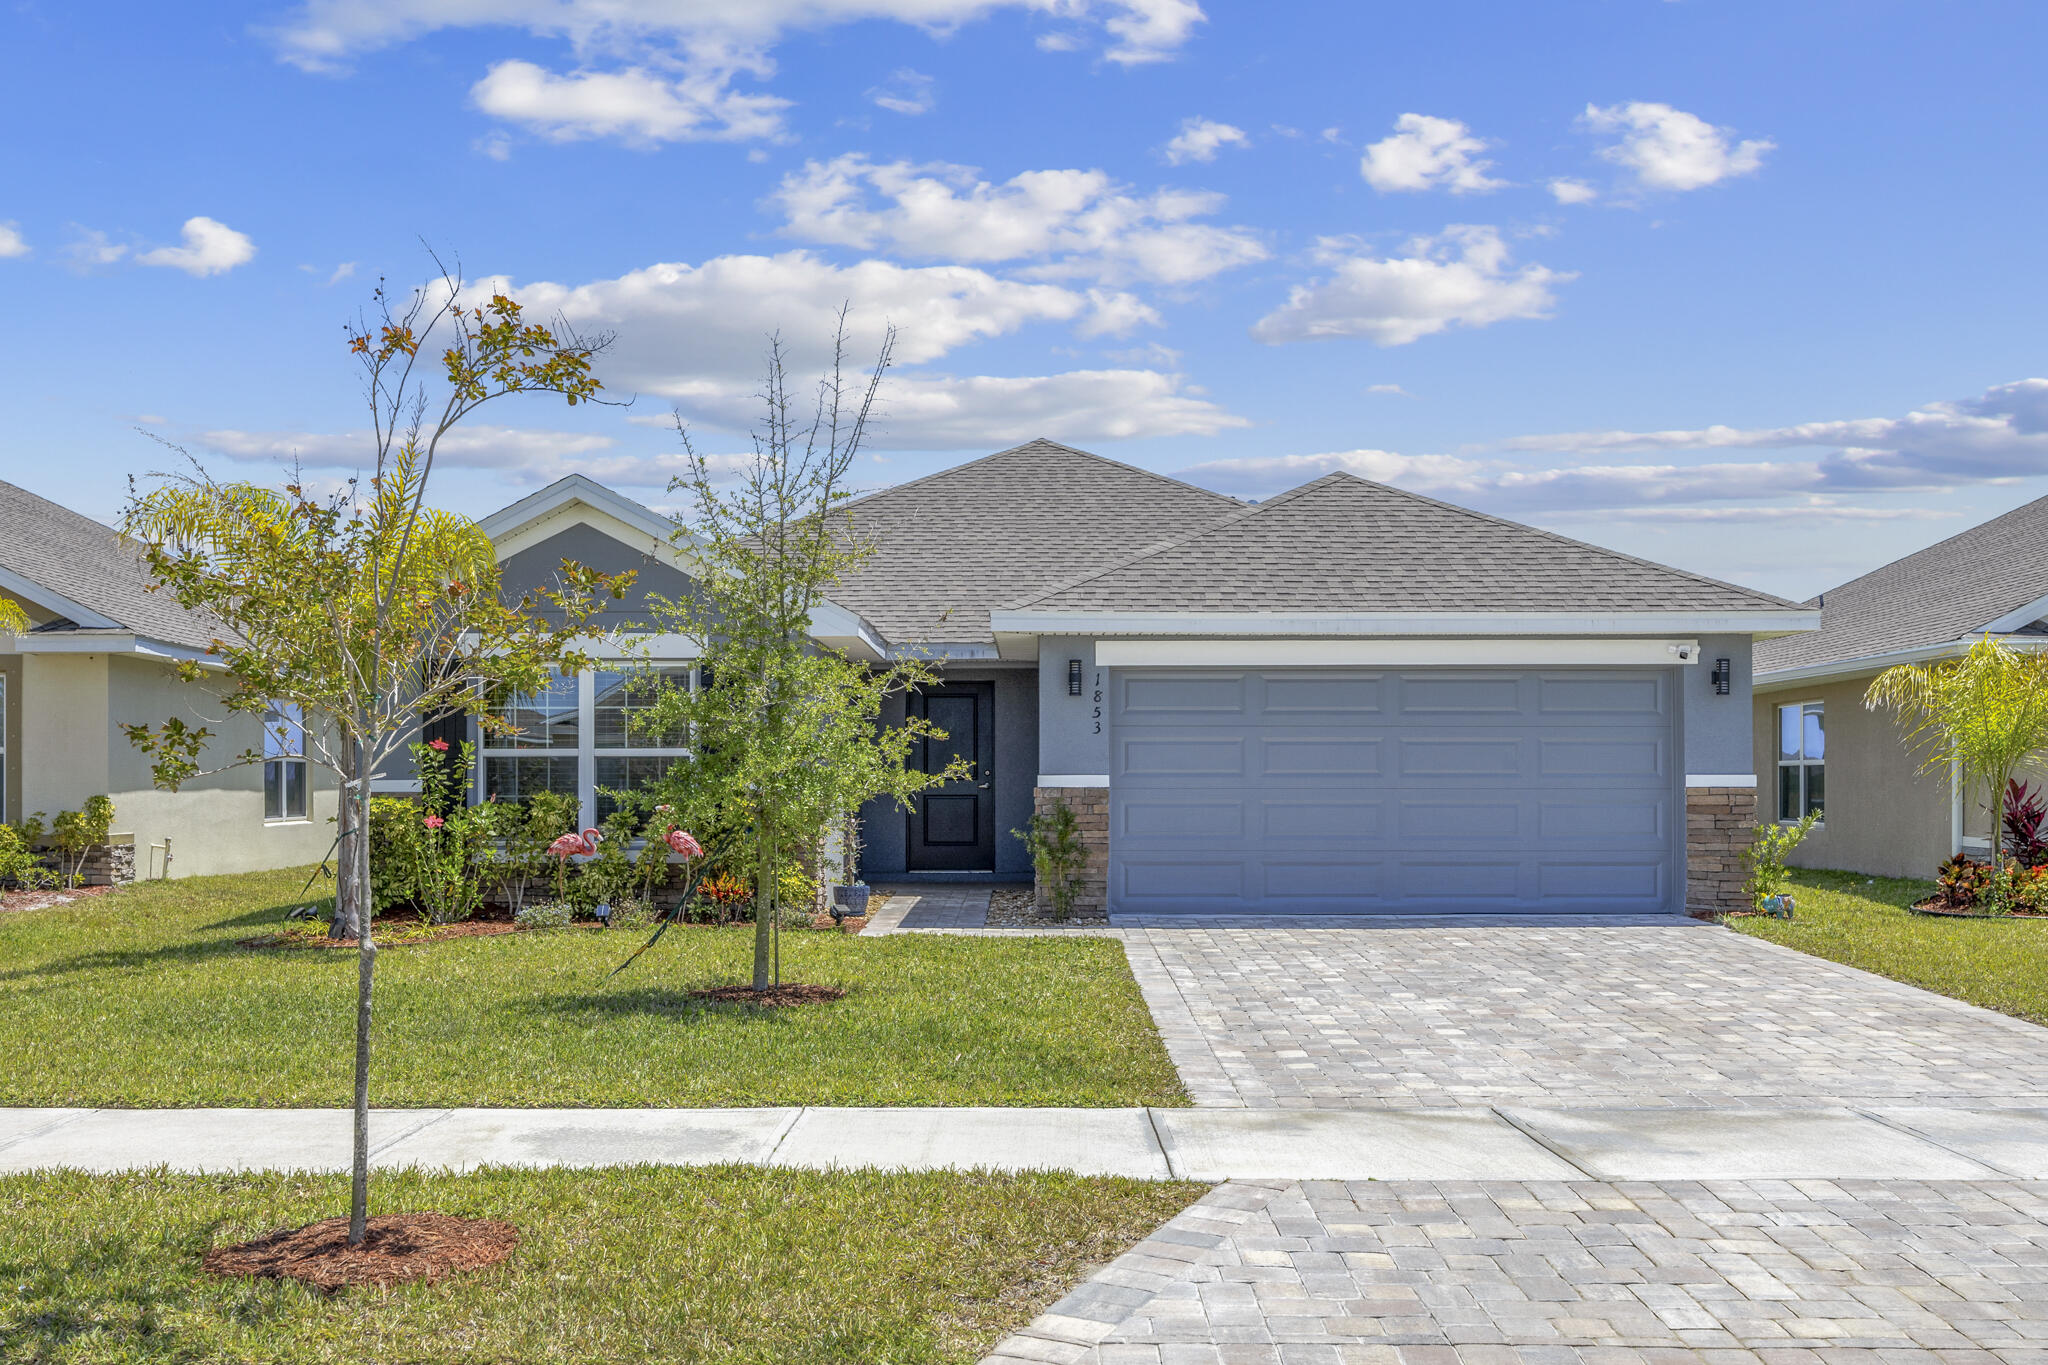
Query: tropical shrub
[516,839]
[2018,889]
[20,865]
[78,832]
[1961,883]
[727,896]
[544,915]
[2026,824]
[1765,857]
[1057,855]
[632,913]
[613,875]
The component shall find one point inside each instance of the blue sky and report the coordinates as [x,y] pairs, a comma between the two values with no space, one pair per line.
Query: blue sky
[1750,288]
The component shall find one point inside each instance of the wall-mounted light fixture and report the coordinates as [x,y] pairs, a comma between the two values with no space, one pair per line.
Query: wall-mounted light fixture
[1722,672]
[1073,677]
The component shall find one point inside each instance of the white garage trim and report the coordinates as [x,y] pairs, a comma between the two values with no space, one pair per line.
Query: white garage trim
[1073,779]
[1720,779]
[1520,653]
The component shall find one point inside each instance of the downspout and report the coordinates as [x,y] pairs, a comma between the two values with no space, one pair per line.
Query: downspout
[1955,807]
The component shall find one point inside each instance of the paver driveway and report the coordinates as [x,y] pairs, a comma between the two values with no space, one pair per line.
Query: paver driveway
[1578,1273]
[1676,1014]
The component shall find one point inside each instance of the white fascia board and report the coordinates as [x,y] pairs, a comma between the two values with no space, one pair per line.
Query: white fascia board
[1777,679]
[57,602]
[579,500]
[112,642]
[2013,620]
[847,631]
[1542,652]
[1396,623]
[1720,779]
[953,653]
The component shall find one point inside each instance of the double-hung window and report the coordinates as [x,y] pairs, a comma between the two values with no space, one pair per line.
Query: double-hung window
[284,763]
[1802,759]
[584,736]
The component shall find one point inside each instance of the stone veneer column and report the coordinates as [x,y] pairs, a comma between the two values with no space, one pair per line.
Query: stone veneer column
[1091,819]
[1719,823]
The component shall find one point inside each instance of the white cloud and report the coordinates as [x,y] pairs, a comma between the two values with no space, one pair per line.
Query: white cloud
[522,454]
[906,92]
[11,242]
[2000,435]
[1428,153]
[1669,149]
[210,248]
[1199,139]
[666,70]
[636,105]
[1568,191]
[90,249]
[694,335]
[1064,224]
[1459,278]
[1391,390]
[345,270]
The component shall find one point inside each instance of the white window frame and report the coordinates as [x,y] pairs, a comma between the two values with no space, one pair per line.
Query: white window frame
[587,751]
[1801,762]
[275,725]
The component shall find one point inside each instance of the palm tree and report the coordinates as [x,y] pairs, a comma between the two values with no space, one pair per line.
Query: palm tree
[1980,716]
[13,620]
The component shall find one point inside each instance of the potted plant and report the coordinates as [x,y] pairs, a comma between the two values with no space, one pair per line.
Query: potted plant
[849,900]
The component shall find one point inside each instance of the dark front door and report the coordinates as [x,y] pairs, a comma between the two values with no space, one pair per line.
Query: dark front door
[953,825]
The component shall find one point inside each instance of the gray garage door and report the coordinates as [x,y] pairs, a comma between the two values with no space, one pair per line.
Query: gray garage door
[1397,792]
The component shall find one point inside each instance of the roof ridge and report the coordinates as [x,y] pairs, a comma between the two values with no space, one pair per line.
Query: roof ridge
[1011,450]
[1158,547]
[1966,533]
[1491,519]
[70,512]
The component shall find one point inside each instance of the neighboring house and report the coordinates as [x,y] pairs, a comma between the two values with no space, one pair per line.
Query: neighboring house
[1346,699]
[1818,746]
[103,652]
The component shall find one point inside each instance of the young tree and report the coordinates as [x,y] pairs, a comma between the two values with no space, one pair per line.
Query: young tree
[362,616]
[13,620]
[787,738]
[1979,716]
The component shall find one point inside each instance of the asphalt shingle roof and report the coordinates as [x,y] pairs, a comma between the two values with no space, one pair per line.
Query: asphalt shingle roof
[92,565]
[1937,595]
[1342,543]
[951,546]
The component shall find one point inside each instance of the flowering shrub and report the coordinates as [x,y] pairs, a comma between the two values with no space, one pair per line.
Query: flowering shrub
[430,854]
[727,896]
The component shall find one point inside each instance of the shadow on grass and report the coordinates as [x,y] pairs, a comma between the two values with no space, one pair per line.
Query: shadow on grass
[671,1003]
[189,951]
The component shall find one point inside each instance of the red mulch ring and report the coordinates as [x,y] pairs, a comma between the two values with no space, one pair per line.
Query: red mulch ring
[38,900]
[775,997]
[1930,907]
[396,1247]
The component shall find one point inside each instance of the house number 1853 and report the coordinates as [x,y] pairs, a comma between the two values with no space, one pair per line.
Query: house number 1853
[1098,702]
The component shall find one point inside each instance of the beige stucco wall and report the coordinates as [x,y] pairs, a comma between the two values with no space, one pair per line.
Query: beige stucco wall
[1884,817]
[215,824]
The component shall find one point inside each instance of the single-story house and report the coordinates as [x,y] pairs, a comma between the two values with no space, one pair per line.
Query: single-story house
[103,651]
[1819,747]
[1346,699]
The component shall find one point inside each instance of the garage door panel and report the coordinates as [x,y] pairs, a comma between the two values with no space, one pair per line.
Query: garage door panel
[1603,756]
[1175,697]
[1164,817]
[1474,818]
[1181,757]
[1310,697]
[1370,792]
[1433,697]
[1323,880]
[1637,699]
[1284,823]
[1631,881]
[1320,755]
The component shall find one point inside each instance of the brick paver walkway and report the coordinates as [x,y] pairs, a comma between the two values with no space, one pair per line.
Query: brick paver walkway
[1679,1014]
[1773,1273]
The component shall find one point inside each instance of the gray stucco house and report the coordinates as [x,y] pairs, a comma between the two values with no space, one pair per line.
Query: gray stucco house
[1818,746]
[1344,700]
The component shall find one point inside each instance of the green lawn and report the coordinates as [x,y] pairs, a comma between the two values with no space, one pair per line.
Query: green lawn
[1863,922]
[143,998]
[726,1264]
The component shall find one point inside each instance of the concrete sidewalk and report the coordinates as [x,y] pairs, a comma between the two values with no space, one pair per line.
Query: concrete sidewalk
[1199,1144]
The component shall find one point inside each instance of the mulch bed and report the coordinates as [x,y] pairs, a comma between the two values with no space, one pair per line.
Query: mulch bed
[1929,907]
[1016,907]
[775,997]
[852,924]
[396,1247]
[40,900]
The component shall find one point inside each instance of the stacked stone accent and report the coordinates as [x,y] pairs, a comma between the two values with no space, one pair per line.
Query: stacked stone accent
[1719,823]
[1091,820]
[104,865]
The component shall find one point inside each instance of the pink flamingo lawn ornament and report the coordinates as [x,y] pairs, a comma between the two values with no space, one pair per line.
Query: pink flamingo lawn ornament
[572,845]
[685,846]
